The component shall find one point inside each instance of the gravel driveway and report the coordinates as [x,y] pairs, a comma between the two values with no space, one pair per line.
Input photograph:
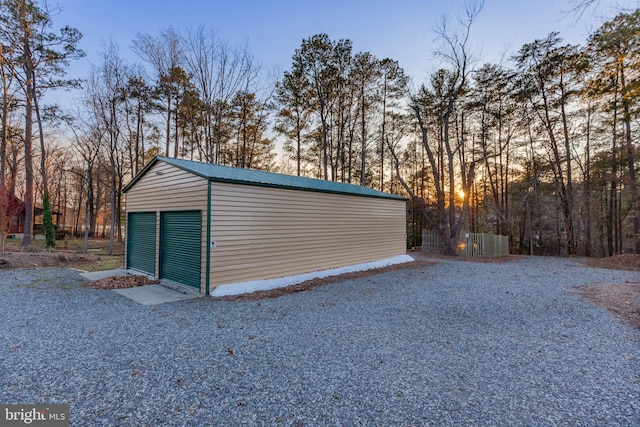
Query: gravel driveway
[456,343]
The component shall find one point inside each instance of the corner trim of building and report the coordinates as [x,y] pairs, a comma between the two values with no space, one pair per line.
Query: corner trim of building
[207,273]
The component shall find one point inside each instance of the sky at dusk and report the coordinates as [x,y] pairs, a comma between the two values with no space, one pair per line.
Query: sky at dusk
[400,29]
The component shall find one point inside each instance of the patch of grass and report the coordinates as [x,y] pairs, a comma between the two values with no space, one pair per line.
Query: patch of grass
[95,246]
[37,283]
[104,263]
[16,245]
[33,284]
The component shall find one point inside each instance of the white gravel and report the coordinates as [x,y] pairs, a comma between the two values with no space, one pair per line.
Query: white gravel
[457,343]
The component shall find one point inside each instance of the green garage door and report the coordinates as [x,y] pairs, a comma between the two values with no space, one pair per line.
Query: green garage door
[180,247]
[141,241]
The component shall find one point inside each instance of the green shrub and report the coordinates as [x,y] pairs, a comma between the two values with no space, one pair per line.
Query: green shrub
[47,222]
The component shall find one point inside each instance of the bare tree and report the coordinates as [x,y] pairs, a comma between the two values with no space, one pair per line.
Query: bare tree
[364,75]
[316,59]
[449,176]
[615,61]
[164,54]
[579,7]
[219,72]
[138,106]
[16,30]
[392,87]
[548,85]
[105,90]
[294,115]
[88,144]
[7,74]
[41,56]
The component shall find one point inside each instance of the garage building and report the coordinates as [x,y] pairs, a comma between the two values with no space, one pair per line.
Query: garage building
[207,225]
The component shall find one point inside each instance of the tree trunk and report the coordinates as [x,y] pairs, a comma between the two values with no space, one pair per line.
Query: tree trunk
[363,131]
[47,216]
[632,169]
[298,144]
[90,211]
[175,133]
[6,101]
[325,157]
[28,161]
[112,200]
[85,244]
[168,129]
[568,193]
[383,132]
[613,205]
[587,188]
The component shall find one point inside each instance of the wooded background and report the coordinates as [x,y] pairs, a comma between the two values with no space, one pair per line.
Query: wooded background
[541,148]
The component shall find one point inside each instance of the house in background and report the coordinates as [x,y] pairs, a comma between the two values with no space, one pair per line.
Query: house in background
[207,225]
[16,216]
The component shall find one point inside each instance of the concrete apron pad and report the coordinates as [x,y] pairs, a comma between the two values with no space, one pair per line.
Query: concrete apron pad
[97,275]
[159,294]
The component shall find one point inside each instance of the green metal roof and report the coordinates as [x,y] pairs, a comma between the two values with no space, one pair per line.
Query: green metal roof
[228,174]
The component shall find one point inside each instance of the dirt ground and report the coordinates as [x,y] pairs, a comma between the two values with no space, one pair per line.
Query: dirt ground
[619,262]
[622,299]
[15,259]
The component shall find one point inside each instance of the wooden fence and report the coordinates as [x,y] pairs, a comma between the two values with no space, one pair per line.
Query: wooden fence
[469,244]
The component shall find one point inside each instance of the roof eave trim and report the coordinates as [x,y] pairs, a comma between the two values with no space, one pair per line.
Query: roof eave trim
[155,160]
[253,183]
[314,190]
[140,174]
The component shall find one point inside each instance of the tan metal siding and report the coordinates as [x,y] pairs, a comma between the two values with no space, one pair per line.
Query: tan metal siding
[165,187]
[264,232]
[168,188]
